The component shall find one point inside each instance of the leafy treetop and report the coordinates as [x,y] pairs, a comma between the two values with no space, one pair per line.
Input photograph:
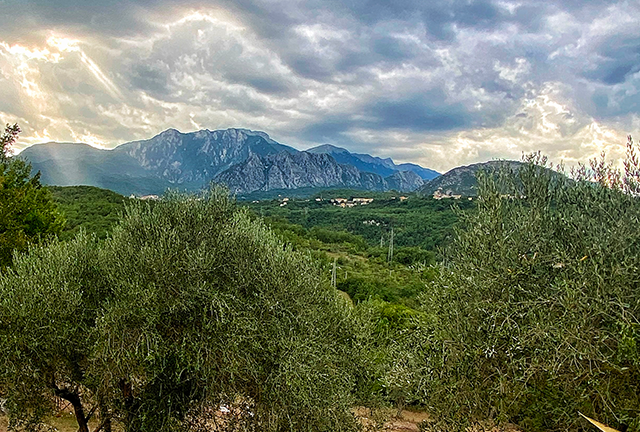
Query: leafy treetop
[28,214]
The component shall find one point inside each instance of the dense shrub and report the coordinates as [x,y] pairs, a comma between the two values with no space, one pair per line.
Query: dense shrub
[28,214]
[361,289]
[414,255]
[330,236]
[538,312]
[398,338]
[87,208]
[188,305]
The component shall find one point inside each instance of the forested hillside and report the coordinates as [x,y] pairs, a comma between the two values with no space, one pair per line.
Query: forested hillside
[88,208]
[417,222]
[356,238]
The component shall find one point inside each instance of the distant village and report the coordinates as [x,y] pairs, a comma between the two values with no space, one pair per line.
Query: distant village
[343,202]
[446,195]
[339,202]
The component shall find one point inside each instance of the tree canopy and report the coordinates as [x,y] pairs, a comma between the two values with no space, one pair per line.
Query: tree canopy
[28,214]
[537,313]
[190,305]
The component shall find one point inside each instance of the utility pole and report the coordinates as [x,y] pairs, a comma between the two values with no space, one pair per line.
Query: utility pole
[390,256]
[333,273]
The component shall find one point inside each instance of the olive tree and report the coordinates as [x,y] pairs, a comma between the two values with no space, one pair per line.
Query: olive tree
[188,307]
[49,302]
[538,308]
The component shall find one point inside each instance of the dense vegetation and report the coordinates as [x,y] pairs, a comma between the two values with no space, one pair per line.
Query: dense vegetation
[329,233]
[522,306]
[417,222]
[28,215]
[536,318]
[88,208]
[187,306]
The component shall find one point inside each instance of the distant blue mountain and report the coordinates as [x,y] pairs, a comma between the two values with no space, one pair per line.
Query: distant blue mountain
[374,164]
[245,160]
[424,173]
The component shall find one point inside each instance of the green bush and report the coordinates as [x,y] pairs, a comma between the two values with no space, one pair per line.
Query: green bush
[413,255]
[188,305]
[538,312]
[87,208]
[28,214]
[330,236]
[398,338]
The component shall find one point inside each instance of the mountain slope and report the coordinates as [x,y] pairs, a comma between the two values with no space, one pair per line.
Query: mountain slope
[424,173]
[462,180]
[404,181]
[250,160]
[67,164]
[365,162]
[293,171]
[197,157]
[171,159]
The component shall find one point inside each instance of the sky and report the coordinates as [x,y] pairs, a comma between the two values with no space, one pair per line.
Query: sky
[441,83]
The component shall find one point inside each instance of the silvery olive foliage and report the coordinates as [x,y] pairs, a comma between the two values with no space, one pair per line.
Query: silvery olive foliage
[537,309]
[189,308]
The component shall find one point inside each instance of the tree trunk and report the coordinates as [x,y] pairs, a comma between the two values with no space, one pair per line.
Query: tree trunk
[74,399]
[107,425]
[127,395]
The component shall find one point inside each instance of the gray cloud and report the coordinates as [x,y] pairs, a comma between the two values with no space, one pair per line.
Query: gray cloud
[618,58]
[419,113]
[407,79]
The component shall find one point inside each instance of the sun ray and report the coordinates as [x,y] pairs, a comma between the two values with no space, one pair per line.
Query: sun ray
[100,76]
[73,45]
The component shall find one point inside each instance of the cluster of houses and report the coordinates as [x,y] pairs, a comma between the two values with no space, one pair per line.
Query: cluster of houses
[344,202]
[440,195]
[145,197]
[372,222]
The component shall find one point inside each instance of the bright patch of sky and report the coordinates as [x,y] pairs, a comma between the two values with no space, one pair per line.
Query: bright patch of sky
[440,83]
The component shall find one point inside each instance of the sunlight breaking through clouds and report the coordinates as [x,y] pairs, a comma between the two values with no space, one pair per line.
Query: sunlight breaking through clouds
[396,81]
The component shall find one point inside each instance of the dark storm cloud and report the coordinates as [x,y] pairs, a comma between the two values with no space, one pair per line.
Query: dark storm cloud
[393,49]
[439,17]
[425,112]
[151,78]
[418,113]
[115,18]
[619,57]
[330,129]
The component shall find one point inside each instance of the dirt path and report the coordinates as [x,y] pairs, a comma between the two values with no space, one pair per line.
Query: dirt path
[378,421]
[388,421]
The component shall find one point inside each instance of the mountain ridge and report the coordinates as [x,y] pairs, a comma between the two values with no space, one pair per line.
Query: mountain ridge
[189,161]
[365,162]
[462,180]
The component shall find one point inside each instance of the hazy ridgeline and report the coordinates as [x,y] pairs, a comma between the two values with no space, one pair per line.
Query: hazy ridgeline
[530,315]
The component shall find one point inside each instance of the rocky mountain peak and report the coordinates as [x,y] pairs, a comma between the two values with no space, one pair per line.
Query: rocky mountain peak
[284,170]
[327,148]
[244,159]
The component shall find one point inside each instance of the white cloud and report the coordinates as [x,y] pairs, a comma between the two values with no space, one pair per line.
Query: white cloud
[308,72]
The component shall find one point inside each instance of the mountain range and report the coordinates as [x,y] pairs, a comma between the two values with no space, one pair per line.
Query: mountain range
[246,161]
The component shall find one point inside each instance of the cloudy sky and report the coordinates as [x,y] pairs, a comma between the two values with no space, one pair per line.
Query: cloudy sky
[439,82]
